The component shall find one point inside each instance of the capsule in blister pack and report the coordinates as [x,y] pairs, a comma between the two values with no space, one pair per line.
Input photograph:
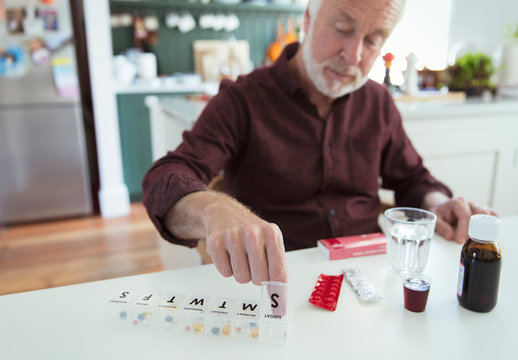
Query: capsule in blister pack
[361,285]
[326,291]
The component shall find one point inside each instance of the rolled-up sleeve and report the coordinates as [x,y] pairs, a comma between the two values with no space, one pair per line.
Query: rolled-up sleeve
[204,152]
[403,170]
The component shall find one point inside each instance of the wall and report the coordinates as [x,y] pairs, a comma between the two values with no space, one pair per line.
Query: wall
[481,22]
[113,193]
[174,49]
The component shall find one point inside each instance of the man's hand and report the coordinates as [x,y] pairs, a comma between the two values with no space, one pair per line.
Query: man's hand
[453,215]
[239,242]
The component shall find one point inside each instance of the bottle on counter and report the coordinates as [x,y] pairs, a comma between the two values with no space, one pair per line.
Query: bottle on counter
[480,262]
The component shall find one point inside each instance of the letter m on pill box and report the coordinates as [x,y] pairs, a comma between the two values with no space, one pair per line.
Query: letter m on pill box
[353,246]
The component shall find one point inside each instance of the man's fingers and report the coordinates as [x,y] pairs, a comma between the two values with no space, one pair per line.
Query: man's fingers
[219,255]
[476,209]
[258,263]
[238,259]
[444,229]
[462,212]
[277,269]
[254,252]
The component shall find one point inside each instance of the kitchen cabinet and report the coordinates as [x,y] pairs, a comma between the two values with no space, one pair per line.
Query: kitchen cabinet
[135,134]
[258,24]
[472,147]
[135,141]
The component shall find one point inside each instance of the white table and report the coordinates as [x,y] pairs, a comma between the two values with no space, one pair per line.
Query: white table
[68,322]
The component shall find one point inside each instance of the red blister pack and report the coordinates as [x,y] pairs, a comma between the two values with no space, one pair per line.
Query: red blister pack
[326,291]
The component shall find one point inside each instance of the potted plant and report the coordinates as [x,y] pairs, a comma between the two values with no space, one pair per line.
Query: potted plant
[471,73]
[508,70]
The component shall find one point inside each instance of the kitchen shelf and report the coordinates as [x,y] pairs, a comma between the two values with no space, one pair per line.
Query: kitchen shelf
[185,5]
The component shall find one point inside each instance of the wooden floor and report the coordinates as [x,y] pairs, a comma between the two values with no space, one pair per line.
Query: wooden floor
[73,251]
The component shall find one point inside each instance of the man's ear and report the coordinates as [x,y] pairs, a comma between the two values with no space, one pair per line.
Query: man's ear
[307,20]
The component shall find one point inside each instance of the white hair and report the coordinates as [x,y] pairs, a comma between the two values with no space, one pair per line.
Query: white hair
[315,5]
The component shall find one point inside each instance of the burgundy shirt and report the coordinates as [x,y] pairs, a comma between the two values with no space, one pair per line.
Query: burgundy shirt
[314,177]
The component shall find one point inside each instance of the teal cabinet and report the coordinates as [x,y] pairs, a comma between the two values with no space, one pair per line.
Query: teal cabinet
[135,135]
[258,25]
[135,138]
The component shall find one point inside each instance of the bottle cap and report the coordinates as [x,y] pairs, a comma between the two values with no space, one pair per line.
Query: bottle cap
[484,227]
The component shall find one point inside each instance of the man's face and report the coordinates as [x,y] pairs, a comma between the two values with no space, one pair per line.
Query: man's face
[344,40]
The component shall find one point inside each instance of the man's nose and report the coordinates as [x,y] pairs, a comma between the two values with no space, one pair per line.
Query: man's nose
[352,50]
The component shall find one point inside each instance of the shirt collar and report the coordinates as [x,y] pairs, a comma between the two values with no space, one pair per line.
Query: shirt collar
[282,73]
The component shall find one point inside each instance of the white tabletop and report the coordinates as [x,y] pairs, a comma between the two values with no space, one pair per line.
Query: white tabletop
[68,322]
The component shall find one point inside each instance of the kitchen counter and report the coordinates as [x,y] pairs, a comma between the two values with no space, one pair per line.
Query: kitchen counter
[444,109]
[166,86]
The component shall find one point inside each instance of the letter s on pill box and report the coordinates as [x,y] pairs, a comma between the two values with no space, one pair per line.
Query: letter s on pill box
[353,246]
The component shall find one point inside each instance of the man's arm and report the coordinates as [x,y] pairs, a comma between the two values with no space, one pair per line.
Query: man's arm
[453,215]
[238,241]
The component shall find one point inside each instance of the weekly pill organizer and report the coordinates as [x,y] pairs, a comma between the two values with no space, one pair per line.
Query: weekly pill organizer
[237,319]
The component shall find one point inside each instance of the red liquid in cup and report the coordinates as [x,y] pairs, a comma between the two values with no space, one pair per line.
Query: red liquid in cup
[416,294]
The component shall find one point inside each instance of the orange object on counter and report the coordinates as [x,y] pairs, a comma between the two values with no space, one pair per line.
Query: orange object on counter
[291,35]
[275,48]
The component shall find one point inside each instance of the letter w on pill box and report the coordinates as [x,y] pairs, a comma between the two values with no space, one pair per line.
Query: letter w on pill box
[274,312]
[353,246]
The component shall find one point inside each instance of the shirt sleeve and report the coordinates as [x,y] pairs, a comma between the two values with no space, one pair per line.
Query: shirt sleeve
[206,149]
[402,167]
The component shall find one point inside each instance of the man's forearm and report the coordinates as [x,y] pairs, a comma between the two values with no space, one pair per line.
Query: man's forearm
[189,218]
[237,241]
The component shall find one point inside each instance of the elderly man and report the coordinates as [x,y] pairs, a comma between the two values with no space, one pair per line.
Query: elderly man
[303,145]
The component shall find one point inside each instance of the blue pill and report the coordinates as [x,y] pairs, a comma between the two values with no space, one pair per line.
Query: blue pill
[253,324]
[141,316]
[215,330]
[169,318]
[123,314]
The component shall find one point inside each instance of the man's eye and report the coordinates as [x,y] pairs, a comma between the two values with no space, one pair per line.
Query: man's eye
[343,29]
[373,41]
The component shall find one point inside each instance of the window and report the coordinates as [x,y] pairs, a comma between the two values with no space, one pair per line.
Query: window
[423,30]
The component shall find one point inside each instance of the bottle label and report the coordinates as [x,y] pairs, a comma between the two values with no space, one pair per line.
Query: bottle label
[460,284]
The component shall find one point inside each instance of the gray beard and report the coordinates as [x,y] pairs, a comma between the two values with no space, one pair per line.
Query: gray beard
[316,74]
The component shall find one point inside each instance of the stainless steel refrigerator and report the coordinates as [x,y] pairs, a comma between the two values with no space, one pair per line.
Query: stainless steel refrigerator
[44,169]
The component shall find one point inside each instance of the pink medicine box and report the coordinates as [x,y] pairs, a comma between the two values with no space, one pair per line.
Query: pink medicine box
[353,246]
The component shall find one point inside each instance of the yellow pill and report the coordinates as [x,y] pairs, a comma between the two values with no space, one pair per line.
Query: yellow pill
[227,329]
[199,328]
[255,332]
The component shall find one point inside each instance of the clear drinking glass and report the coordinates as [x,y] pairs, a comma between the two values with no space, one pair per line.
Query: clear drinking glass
[409,235]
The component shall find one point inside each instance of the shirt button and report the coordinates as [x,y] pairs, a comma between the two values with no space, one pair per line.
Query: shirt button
[332,212]
[328,147]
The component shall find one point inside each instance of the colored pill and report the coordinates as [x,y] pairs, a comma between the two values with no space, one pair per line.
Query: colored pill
[141,316]
[227,329]
[255,332]
[199,328]
[215,330]
[253,324]
[123,314]
[238,329]
[188,328]
[169,318]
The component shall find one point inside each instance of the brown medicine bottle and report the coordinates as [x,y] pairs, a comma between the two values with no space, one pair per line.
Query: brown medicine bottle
[480,262]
